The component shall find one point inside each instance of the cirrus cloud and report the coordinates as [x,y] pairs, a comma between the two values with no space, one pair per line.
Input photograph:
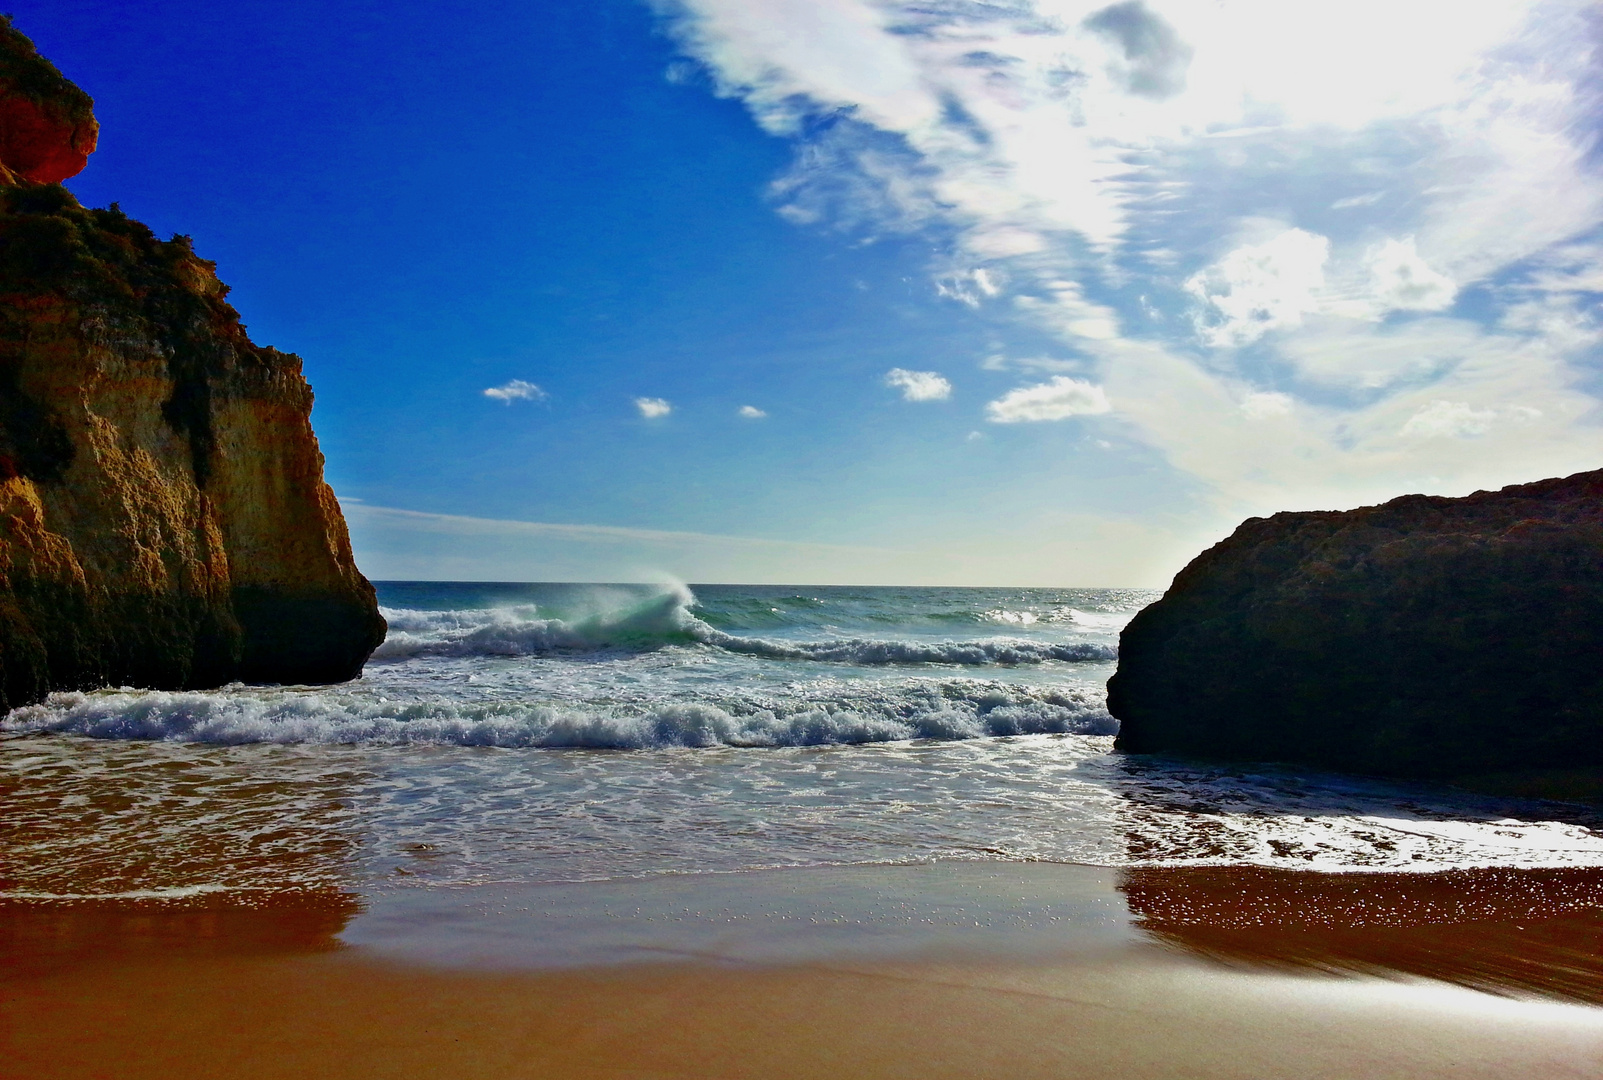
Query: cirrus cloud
[1073,166]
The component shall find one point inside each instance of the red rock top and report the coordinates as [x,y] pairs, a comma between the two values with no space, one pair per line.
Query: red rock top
[47,124]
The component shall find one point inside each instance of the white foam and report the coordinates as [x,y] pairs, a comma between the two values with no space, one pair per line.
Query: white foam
[177,892]
[254,715]
[870,651]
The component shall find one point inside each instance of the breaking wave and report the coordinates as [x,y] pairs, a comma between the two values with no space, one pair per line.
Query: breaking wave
[666,620]
[240,714]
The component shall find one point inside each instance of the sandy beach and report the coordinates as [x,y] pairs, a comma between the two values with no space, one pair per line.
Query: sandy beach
[134,990]
[774,539]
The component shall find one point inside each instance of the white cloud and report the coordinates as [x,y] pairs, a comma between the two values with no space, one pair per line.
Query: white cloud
[1568,268]
[1450,419]
[1459,420]
[1084,160]
[516,390]
[1048,364]
[919,385]
[1062,307]
[1057,399]
[1401,280]
[1261,287]
[751,412]
[653,407]
[969,286]
[1353,201]
[1262,406]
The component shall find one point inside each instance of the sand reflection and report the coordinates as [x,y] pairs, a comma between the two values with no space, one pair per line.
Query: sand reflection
[1504,930]
[116,850]
[41,938]
[90,819]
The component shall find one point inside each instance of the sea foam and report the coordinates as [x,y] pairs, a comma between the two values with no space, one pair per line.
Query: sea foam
[240,714]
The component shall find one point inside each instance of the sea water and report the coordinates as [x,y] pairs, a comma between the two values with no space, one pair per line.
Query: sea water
[508,735]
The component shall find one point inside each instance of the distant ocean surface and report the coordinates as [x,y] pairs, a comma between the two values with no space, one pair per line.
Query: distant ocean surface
[538,733]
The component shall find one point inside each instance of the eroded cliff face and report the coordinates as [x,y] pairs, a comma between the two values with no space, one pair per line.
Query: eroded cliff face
[47,125]
[1459,639]
[163,516]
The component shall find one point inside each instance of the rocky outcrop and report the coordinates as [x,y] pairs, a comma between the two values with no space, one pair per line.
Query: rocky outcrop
[47,125]
[163,516]
[1459,639]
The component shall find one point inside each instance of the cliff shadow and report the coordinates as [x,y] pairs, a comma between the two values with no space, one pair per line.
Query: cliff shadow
[1507,931]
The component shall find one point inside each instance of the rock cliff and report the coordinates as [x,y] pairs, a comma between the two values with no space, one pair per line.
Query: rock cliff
[163,516]
[1459,639]
[47,125]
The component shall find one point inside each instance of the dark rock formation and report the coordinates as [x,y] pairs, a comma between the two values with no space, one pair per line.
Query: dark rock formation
[163,516]
[1459,639]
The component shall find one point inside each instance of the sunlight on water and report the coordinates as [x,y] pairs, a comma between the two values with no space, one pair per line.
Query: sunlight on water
[541,733]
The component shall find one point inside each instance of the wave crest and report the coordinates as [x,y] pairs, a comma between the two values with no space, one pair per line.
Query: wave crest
[518,631]
[666,620]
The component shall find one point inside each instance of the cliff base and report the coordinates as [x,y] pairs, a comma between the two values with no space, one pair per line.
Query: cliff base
[1453,639]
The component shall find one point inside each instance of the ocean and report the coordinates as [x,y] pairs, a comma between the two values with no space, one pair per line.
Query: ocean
[538,733]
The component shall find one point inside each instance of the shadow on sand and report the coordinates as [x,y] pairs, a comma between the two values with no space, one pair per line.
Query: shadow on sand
[1508,931]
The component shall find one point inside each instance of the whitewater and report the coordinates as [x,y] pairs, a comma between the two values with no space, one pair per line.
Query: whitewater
[538,732]
[635,668]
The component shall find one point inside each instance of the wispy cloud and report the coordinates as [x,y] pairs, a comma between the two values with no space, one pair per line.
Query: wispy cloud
[653,407]
[1402,281]
[750,412]
[919,385]
[1368,222]
[516,390]
[397,544]
[1058,399]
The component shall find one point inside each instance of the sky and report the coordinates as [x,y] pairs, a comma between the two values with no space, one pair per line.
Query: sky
[1023,292]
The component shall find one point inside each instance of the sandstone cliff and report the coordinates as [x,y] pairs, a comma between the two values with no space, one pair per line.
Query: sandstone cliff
[47,125]
[1453,638]
[163,516]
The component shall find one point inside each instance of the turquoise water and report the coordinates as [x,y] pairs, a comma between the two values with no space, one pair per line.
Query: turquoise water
[639,667]
[545,733]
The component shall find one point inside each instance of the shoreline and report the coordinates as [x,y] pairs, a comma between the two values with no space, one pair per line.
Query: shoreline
[996,969]
[1127,1013]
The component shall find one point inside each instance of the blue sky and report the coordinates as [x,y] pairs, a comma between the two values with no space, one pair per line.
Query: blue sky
[867,291]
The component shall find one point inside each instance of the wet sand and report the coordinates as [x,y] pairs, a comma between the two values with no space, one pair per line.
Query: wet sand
[338,1016]
[1207,973]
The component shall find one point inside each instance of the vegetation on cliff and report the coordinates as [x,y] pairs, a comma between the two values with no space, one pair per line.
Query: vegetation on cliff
[1458,639]
[163,517]
[106,262]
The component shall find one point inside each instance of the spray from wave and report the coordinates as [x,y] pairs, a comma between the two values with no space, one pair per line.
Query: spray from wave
[667,619]
[519,631]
